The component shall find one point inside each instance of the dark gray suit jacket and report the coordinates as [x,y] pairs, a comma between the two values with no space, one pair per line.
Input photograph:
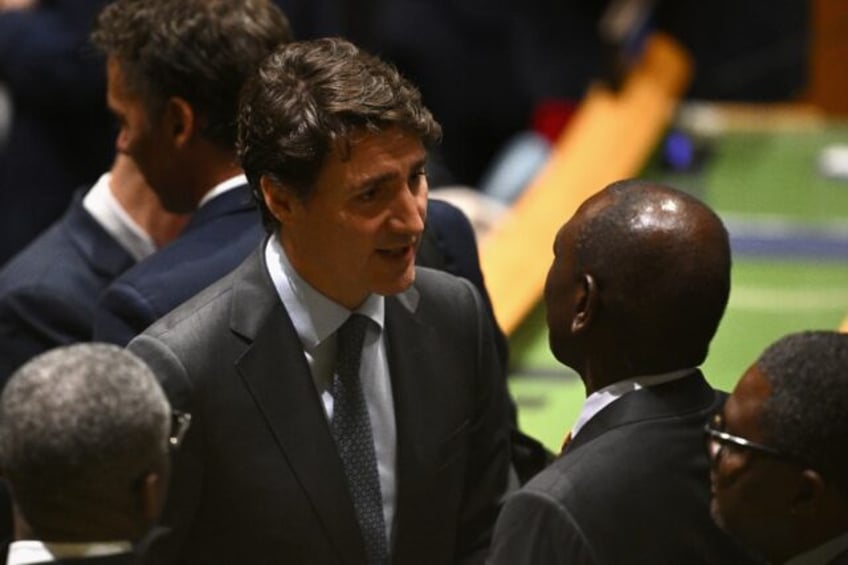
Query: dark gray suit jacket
[632,487]
[258,479]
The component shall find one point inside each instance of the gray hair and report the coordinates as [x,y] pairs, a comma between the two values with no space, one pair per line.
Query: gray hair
[78,426]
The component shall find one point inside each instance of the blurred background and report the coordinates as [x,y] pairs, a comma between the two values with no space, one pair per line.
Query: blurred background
[745,105]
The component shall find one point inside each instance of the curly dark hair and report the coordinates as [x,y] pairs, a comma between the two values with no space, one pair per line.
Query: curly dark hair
[308,95]
[199,50]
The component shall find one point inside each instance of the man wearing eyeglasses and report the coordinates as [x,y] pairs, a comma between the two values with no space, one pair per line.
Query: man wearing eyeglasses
[638,285]
[778,452]
[85,433]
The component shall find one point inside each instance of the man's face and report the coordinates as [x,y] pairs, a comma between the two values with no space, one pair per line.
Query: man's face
[142,137]
[358,232]
[561,288]
[751,494]
[565,293]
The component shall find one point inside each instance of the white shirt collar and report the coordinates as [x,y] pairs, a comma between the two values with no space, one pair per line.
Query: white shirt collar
[223,187]
[822,554]
[315,317]
[25,552]
[602,398]
[108,212]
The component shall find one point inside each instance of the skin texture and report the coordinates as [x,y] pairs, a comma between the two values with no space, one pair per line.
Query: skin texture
[141,203]
[358,231]
[598,295]
[178,163]
[775,506]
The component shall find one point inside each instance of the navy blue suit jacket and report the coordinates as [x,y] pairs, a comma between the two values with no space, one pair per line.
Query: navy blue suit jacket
[216,240]
[48,291]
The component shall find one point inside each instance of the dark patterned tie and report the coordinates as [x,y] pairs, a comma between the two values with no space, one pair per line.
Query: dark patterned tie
[351,430]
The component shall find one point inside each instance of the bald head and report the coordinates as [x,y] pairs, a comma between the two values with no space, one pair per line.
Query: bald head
[658,261]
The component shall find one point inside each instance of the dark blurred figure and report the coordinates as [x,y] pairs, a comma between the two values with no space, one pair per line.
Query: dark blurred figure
[779,464]
[175,69]
[638,285]
[61,135]
[487,68]
[85,432]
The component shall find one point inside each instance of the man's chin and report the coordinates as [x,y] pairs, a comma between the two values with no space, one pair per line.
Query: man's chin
[715,512]
[396,285]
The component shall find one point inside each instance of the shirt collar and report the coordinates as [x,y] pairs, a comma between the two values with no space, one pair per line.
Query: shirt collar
[602,398]
[221,188]
[315,317]
[25,552]
[112,217]
[822,554]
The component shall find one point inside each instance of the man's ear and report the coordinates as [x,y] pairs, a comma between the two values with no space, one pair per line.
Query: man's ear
[280,201]
[179,120]
[587,304]
[152,495]
[811,489]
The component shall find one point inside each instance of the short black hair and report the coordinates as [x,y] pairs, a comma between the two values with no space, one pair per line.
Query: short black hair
[667,285]
[806,414]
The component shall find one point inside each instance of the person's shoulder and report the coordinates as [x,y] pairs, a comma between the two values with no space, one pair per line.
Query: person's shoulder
[190,263]
[199,316]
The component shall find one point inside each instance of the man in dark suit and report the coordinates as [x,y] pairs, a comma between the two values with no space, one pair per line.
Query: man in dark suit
[60,135]
[334,141]
[174,71]
[639,282]
[49,290]
[85,432]
[779,464]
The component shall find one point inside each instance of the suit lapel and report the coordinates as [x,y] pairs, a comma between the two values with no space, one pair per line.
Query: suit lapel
[409,354]
[277,375]
[685,395]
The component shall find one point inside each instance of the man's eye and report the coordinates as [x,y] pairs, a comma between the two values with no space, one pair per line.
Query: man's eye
[367,195]
[418,178]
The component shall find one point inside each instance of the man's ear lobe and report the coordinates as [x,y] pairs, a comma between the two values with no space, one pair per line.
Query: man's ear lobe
[180,120]
[152,496]
[587,303]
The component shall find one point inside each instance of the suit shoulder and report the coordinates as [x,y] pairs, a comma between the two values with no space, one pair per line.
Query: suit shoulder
[199,311]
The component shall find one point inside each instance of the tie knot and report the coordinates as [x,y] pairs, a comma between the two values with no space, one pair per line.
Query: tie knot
[351,337]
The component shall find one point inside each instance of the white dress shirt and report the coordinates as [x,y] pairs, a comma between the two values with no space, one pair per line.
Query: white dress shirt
[223,187]
[602,398]
[316,319]
[31,551]
[108,212]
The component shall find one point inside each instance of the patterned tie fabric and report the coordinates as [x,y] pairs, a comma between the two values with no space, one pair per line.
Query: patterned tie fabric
[351,431]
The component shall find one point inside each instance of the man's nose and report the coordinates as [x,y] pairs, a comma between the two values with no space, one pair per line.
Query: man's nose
[408,212]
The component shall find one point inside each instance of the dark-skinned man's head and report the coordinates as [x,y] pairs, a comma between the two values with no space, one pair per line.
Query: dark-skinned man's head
[639,283]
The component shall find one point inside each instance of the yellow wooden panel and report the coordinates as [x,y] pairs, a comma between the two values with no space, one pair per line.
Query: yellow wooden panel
[610,137]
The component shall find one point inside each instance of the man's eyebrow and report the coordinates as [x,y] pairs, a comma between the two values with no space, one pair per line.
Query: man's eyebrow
[387,176]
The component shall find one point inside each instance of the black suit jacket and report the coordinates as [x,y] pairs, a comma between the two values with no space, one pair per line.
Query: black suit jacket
[49,290]
[632,487]
[258,479]
[217,238]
